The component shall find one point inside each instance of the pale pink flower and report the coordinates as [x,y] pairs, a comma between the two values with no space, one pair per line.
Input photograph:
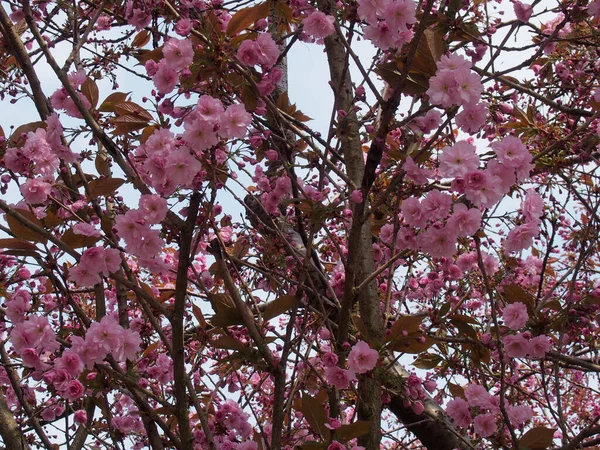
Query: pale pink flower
[165,79]
[70,362]
[533,206]
[269,51]
[439,243]
[235,121]
[184,26]
[464,221]
[154,208]
[84,276]
[86,229]
[413,212]
[512,152]
[182,167]
[515,315]
[452,62]
[436,205]
[469,87]
[458,160]
[209,109]
[362,358]
[416,174]
[506,177]
[485,424]
[200,134]
[18,305]
[472,118]
[319,25]
[400,13]
[179,53]
[386,234]
[338,378]
[429,121]
[249,53]
[443,87]
[516,345]
[482,188]
[356,196]
[458,410]
[369,9]
[521,237]
[380,34]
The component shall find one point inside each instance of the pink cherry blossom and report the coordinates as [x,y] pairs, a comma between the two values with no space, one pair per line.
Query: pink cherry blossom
[515,315]
[523,11]
[485,424]
[35,191]
[436,205]
[458,160]
[458,410]
[400,13]
[319,25]
[539,346]
[477,395]
[413,212]
[268,50]
[362,358]
[86,229]
[512,152]
[438,242]
[516,345]
[415,173]
[165,79]
[200,134]
[369,9]
[235,121]
[249,53]
[464,221]
[338,378]
[154,208]
[521,237]
[472,117]
[178,53]
[533,206]
[209,109]
[519,414]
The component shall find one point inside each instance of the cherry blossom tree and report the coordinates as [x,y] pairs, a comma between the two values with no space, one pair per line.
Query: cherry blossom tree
[192,265]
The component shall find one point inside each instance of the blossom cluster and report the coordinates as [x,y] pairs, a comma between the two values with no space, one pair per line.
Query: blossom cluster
[388,21]
[178,55]
[486,408]
[39,156]
[433,224]
[361,359]
[134,227]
